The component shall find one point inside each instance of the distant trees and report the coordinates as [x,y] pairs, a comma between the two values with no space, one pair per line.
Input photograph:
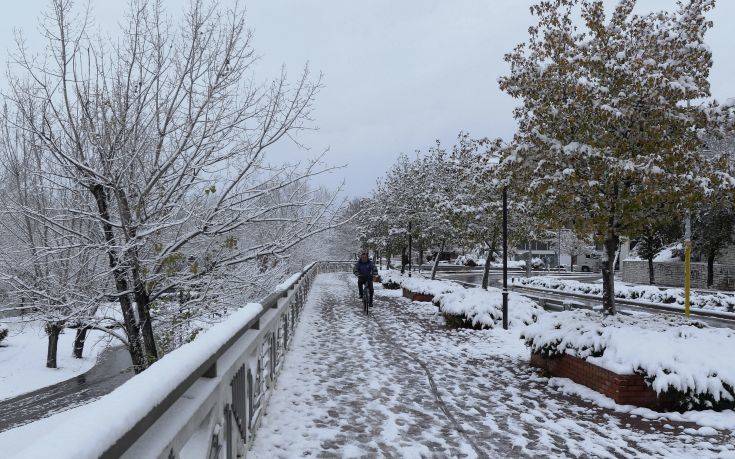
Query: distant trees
[609,115]
[144,176]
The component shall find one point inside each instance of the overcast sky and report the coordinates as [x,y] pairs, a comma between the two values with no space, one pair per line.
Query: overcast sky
[397,74]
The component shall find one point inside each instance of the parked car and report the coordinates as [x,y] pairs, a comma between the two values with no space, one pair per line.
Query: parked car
[588,262]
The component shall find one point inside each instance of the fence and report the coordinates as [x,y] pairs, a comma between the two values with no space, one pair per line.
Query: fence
[210,412]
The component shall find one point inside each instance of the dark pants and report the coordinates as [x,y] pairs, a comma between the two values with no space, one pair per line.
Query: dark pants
[367,281]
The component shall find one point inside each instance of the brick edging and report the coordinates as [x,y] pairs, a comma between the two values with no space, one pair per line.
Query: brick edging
[624,389]
[416,296]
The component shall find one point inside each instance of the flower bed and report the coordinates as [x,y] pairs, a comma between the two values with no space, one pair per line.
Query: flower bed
[428,287]
[682,362]
[478,308]
[648,293]
[390,278]
[416,296]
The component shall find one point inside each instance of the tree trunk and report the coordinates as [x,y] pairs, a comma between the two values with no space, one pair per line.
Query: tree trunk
[421,257]
[53,330]
[529,256]
[140,293]
[387,260]
[710,269]
[608,273]
[79,340]
[651,279]
[403,260]
[490,257]
[121,283]
[436,261]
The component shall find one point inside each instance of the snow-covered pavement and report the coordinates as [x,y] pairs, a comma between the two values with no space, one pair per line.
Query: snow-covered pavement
[402,384]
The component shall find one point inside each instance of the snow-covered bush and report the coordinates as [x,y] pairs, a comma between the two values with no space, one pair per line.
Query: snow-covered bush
[537,263]
[647,293]
[428,286]
[390,278]
[685,360]
[478,308]
[3,332]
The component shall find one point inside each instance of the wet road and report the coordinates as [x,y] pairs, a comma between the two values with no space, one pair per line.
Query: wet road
[113,368]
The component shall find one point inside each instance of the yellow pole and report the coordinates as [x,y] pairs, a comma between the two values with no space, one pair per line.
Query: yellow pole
[687,263]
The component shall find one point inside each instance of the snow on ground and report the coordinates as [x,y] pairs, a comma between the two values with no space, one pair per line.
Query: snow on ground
[670,253]
[23,357]
[132,400]
[353,386]
[483,308]
[671,352]
[647,293]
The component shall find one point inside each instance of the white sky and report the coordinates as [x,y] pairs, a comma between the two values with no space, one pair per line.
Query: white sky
[397,74]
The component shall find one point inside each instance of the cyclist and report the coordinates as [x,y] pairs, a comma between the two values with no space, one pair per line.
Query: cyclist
[364,269]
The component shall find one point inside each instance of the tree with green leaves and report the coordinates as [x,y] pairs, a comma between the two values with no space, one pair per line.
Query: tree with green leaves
[609,111]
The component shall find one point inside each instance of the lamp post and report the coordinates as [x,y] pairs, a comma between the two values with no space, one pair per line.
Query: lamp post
[505,258]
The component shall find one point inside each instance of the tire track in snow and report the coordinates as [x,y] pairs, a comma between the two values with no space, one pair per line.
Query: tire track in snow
[434,390]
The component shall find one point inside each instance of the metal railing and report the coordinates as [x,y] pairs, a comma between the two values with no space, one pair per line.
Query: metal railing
[215,411]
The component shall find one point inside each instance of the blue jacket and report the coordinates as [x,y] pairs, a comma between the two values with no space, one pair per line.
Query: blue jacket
[365,269]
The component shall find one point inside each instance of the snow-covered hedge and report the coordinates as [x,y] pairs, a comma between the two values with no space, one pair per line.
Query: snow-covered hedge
[480,308]
[687,360]
[647,293]
[390,278]
[3,332]
[428,286]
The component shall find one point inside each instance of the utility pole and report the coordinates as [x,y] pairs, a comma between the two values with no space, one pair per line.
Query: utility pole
[409,249]
[505,258]
[687,262]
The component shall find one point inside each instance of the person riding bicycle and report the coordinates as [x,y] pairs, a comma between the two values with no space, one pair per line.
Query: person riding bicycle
[364,269]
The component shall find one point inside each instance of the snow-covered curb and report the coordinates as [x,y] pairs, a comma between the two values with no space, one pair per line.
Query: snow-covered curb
[674,356]
[483,308]
[647,293]
[708,419]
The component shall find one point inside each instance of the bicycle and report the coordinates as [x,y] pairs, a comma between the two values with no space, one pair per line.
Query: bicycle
[366,302]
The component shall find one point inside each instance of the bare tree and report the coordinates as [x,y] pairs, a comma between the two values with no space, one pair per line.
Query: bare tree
[166,131]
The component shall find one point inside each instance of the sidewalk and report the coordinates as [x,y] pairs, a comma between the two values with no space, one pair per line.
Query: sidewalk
[402,384]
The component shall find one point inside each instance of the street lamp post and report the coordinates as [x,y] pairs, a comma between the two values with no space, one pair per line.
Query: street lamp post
[505,258]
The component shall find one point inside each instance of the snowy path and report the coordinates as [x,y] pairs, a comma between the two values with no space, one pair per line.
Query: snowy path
[402,384]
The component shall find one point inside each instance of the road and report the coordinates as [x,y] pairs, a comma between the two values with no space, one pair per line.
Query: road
[113,368]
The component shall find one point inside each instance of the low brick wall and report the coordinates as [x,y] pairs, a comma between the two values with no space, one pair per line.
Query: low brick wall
[624,389]
[671,274]
[376,278]
[416,296]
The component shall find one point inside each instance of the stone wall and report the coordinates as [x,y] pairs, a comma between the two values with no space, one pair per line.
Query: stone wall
[671,274]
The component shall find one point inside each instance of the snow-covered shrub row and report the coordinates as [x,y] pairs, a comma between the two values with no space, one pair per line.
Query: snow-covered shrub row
[647,293]
[480,308]
[428,286]
[3,332]
[683,359]
[390,278]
